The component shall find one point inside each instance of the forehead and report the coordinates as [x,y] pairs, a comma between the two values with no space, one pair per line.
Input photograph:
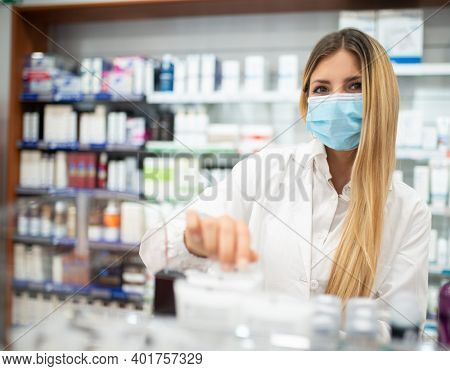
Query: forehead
[339,64]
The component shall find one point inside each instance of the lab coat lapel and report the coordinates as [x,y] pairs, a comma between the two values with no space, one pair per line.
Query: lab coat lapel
[304,221]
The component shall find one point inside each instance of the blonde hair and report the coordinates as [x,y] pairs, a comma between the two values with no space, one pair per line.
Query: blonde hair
[355,262]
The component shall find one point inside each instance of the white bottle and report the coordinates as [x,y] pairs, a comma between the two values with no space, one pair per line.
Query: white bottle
[111,222]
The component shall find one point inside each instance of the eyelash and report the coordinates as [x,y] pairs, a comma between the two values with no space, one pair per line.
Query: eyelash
[316,89]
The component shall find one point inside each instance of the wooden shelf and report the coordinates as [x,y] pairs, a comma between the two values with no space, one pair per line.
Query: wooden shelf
[65,243]
[138,9]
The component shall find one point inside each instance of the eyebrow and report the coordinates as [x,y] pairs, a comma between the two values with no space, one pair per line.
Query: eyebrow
[351,78]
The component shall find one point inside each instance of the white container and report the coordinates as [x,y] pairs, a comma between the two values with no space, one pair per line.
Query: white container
[179,82]
[208,73]
[132,226]
[432,255]
[422,182]
[111,217]
[254,74]
[439,184]
[401,33]
[60,175]
[193,73]
[288,74]
[442,253]
[230,76]
[212,301]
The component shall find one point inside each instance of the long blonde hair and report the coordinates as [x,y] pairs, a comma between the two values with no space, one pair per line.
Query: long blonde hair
[356,258]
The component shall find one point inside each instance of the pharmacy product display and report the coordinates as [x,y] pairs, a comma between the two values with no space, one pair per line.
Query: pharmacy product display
[242,317]
[116,125]
[80,245]
[51,77]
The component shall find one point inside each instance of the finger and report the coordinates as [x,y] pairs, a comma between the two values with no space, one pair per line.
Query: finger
[254,256]
[193,223]
[226,242]
[243,252]
[209,236]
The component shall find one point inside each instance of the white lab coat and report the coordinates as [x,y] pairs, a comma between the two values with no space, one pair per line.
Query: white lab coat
[281,227]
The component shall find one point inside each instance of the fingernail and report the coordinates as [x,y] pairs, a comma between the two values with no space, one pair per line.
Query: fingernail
[242,263]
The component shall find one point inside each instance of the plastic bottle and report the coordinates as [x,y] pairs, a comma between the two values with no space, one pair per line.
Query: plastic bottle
[111,222]
[72,221]
[60,227]
[46,220]
[361,325]
[34,219]
[326,323]
[23,222]
[95,224]
[405,321]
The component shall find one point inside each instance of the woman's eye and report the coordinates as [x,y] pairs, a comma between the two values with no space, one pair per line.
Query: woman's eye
[355,86]
[320,90]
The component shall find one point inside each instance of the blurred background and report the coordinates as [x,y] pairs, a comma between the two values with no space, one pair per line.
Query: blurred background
[113,114]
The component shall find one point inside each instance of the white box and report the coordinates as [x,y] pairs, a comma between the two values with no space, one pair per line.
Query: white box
[288,74]
[401,34]
[193,73]
[422,182]
[254,73]
[86,76]
[364,21]
[230,76]
[208,73]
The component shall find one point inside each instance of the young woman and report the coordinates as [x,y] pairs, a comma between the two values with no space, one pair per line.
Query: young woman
[325,216]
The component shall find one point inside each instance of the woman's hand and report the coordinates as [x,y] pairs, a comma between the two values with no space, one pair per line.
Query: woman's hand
[224,239]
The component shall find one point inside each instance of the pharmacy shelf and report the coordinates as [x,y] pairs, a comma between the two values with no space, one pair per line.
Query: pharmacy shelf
[151,147]
[422,69]
[69,243]
[416,154]
[75,146]
[73,192]
[114,246]
[62,289]
[223,98]
[269,96]
[440,211]
[79,97]
[439,271]
[45,241]
[172,147]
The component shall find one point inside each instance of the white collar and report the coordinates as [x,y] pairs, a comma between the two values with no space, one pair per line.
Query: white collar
[312,153]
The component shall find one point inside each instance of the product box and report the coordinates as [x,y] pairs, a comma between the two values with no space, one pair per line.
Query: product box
[410,128]
[193,73]
[179,84]
[118,82]
[135,66]
[254,73]
[288,74]
[230,76]
[210,73]
[362,20]
[422,182]
[166,74]
[401,34]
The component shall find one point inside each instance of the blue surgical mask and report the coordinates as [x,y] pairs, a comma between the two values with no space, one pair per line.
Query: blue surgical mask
[336,119]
